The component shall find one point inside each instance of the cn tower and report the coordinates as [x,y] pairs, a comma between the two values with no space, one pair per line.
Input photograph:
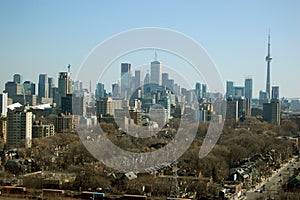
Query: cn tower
[268,60]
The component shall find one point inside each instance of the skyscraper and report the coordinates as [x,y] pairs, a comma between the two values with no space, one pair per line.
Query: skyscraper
[77,86]
[72,104]
[19,127]
[4,101]
[198,90]
[125,79]
[268,60]
[248,88]
[51,85]
[147,79]
[43,86]
[17,78]
[229,89]
[100,91]
[13,89]
[239,91]
[271,111]
[232,109]
[176,89]
[204,92]
[137,78]
[156,73]
[115,90]
[275,92]
[165,78]
[64,85]
[146,87]
[170,84]
[263,98]
[29,88]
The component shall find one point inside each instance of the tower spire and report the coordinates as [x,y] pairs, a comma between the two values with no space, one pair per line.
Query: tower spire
[268,60]
[269,44]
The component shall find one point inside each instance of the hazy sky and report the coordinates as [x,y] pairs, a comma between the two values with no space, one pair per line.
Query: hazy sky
[45,36]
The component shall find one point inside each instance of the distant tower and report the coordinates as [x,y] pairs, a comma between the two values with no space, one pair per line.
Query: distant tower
[18,78]
[165,78]
[248,88]
[50,87]
[125,79]
[156,71]
[198,90]
[204,92]
[4,98]
[275,92]
[64,85]
[268,60]
[137,78]
[43,86]
[100,91]
[229,89]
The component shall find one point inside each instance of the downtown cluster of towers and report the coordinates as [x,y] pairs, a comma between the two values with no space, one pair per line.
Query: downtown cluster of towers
[132,94]
[240,98]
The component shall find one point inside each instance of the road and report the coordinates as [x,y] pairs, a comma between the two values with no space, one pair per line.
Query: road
[271,187]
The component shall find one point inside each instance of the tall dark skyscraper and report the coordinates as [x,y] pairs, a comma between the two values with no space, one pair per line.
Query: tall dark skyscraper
[125,79]
[43,86]
[51,85]
[239,91]
[64,85]
[17,78]
[115,90]
[268,60]
[248,88]
[229,89]
[165,78]
[204,92]
[198,90]
[275,92]
[29,88]
[100,91]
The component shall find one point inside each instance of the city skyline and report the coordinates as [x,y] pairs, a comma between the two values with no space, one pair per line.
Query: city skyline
[234,35]
[101,89]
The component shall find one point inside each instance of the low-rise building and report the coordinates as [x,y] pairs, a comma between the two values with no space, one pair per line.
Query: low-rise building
[64,123]
[40,130]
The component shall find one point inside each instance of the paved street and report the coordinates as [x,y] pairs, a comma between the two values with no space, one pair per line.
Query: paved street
[273,185]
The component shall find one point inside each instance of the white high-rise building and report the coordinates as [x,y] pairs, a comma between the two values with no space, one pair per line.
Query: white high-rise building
[4,103]
[156,73]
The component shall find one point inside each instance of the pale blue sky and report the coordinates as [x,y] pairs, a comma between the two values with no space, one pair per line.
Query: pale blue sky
[45,36]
